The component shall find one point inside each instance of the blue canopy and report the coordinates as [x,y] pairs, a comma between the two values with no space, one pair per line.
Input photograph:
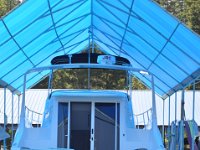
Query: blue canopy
[140,30]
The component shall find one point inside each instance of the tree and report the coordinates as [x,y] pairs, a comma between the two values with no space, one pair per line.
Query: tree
[191,14]
[3,7]
[188,11]
[7,5]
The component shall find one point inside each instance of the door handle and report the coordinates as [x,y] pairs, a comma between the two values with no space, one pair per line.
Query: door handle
[92,131]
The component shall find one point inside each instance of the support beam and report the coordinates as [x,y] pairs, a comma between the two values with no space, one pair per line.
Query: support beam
[169,123]
[18,107]
[193,105]
[89,38]
[175,107]
[5,119]
[22,116]
[182,105]
[127,23]
[154,115]
[92,25]
[50,82]
[12,134]
[181,124]
[163,125]
[130,85]
[193,114]
[175,136]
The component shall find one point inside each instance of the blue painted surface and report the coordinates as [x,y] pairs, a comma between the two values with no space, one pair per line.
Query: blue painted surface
[147,35]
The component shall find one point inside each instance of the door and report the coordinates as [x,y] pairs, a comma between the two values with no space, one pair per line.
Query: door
[80,126]
[88,126]
[106,126]
[63,122]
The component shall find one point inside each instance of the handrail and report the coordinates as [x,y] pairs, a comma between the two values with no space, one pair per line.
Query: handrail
[33,111]
[87,65]
[146,118]
[30,117]
[128,68]
[150,109]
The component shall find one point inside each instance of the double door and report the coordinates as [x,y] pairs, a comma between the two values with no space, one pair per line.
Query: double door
[88,126]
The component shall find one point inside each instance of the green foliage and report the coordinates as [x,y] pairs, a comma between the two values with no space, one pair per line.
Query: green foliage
[3,7]
[7,5]
[191,14]
[188,11]
[99,79]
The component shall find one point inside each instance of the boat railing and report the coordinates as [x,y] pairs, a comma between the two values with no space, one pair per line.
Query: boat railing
[33,118]
[143,120]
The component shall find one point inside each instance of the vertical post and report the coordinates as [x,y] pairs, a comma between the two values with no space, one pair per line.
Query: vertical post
[22,116]
[182,105]
[92,36]
[130,85]
[50,82]
[193,108]
[154,115]
[18,112]
[5,118]
[89,60]
[169,127]
[175,107]
[175,136]
[130,103]
[12,115]
[193,114]
[181,133]
[163,125]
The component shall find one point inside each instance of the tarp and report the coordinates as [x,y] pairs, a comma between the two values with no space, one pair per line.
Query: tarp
[140,30]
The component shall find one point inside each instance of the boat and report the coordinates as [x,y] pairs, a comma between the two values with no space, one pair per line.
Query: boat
[89,119]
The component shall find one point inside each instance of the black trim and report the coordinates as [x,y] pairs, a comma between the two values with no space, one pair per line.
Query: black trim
[83,58]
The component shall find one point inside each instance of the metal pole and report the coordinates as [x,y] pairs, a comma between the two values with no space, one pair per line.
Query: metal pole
[181,134]
[18,108]
[175,107]
[175,136]
[12,115]
[163,126]
[92,26]
[154,115]
[193,110]
[22,116]
[5,118]
[182,105]
[193,115]
[89,60]
[130,86]
[50,82]
[169,128]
